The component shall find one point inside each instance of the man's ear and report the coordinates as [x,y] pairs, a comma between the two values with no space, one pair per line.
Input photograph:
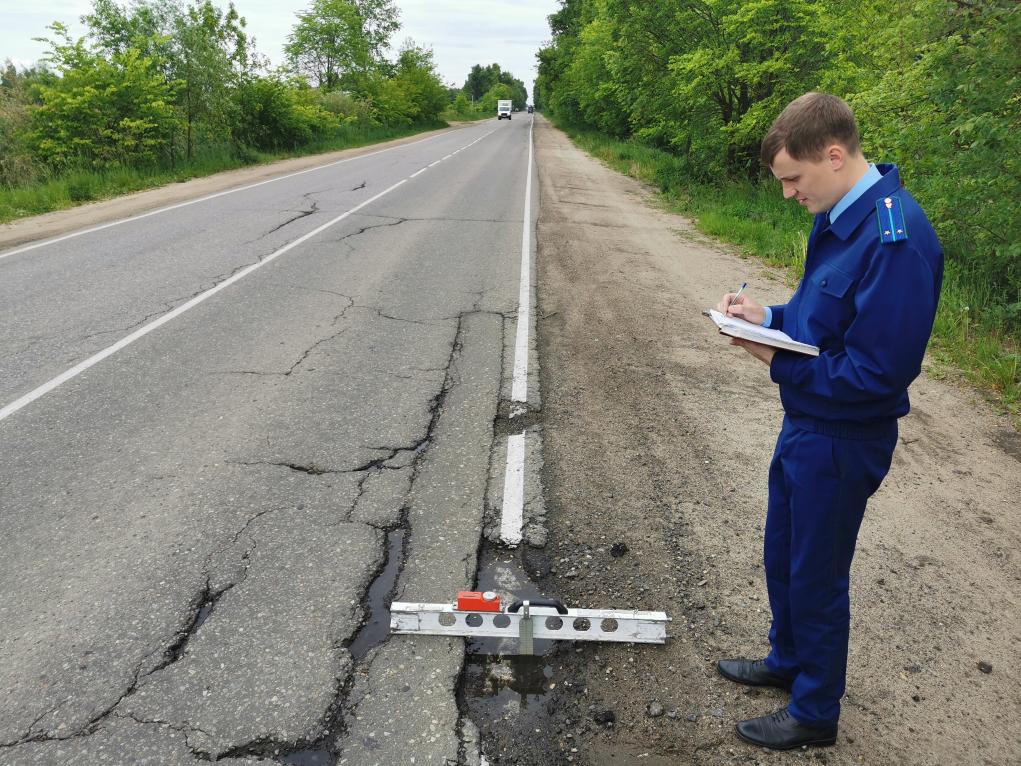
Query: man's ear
[836,155]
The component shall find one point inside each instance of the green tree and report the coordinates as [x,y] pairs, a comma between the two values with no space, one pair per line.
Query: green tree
[500,91]
[746,61]
[203,48]
[338,43]
[211,53]
[276,112]
[461,104]
[17,99]
[101,112]
[414,93]
[380,19]
[949,113]
[482,79]
[701,77]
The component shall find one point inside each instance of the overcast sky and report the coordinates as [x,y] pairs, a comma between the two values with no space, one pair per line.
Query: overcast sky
[460,32]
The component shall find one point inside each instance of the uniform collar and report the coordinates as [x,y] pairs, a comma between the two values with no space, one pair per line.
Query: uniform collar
[854,213]
[868,178]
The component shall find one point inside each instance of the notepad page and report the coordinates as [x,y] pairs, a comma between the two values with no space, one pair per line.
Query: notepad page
[754,329]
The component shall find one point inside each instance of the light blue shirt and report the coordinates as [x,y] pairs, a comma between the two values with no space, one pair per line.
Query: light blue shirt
[872,175]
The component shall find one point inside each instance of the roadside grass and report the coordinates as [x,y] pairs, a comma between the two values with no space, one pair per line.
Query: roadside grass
[452,116]
[77,186]
[970,341]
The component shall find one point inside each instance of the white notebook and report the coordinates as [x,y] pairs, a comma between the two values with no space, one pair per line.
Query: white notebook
[739,328]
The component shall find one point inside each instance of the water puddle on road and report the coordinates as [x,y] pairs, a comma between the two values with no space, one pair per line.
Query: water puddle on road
[503,687]
[376,628]
[501,690]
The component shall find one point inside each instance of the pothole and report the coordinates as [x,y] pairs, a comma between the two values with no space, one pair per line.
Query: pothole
[502,692]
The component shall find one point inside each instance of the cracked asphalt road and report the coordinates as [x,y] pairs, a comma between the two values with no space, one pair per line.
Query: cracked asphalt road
[188,529]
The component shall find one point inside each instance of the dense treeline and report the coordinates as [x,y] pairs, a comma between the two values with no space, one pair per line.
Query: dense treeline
[486,85]
[158,82]
[936,85]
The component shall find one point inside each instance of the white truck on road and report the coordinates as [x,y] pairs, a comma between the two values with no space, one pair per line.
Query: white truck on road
[503,108]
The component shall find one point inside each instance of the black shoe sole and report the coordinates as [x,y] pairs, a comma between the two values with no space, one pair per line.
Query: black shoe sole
[785,685]
[823,742]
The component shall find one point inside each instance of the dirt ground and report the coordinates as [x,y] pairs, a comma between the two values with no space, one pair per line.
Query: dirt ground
[658,435]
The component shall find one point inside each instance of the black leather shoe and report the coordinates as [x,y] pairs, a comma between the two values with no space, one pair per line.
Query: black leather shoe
[782,731]
[752,673]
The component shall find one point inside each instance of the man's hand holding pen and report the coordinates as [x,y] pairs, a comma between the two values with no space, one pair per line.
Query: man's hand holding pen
[741,306]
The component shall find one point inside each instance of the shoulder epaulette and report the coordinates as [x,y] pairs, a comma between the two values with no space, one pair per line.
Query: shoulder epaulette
[890,214]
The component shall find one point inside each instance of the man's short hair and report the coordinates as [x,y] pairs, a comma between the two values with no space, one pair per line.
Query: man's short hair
[808,125]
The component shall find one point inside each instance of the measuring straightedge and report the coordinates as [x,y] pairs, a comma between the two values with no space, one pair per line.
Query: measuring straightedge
[478,615]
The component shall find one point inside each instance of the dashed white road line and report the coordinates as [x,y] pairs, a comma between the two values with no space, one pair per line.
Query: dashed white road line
[513,491]
[512,512]
[95,359]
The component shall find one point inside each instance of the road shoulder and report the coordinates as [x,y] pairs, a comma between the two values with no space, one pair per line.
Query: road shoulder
[658,436]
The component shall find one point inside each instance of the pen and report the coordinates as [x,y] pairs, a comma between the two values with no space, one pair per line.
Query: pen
[736,296]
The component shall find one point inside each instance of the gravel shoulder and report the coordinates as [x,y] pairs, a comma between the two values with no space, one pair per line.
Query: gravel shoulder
[658,435]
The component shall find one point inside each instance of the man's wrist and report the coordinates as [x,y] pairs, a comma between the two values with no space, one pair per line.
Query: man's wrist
[767,320]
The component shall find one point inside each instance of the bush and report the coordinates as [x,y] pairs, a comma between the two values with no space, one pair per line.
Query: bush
[347,107]
[265,119]
[101,112]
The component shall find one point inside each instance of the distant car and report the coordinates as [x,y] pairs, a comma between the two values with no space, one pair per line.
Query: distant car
[531,108]
[503,109]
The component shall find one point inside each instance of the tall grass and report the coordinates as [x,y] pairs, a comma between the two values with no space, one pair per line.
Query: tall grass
[971,339]
[76,186]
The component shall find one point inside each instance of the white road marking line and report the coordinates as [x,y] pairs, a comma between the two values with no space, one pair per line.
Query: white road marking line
[466,146]
[79,368]
[513,491]
[519,389]
[118,222]
[512,513]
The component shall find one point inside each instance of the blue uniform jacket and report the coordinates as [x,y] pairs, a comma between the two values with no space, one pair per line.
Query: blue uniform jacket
[869,307]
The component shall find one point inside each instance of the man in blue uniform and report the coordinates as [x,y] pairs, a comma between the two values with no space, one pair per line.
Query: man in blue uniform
[868,298]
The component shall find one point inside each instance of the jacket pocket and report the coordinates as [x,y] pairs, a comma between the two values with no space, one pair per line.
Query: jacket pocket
[832,281]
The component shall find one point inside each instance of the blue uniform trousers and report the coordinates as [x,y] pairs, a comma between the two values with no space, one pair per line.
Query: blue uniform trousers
[818,486]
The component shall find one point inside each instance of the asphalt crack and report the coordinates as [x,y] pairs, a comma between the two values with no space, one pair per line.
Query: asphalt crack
[184,731]
[301,214]
[27,736]
[202,606]
[391,222]
[308,351]
[387,579]
[311,468]
[304,213]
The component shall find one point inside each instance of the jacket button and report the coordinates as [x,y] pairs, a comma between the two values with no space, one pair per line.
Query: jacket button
[823,283]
